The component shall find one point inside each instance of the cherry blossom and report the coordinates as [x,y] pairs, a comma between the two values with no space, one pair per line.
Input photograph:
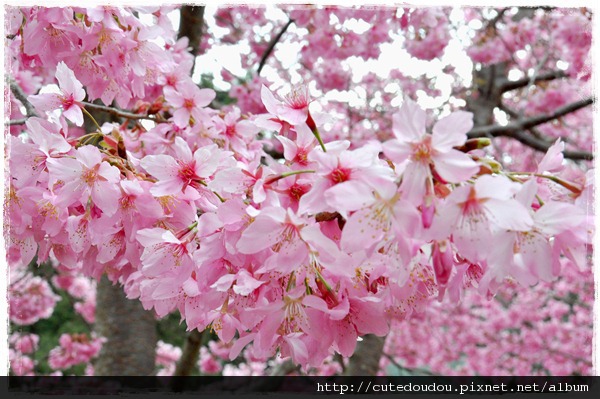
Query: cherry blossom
[69,100]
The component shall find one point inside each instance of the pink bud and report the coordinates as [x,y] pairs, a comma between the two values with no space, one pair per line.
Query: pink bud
[427,211]
[442,262]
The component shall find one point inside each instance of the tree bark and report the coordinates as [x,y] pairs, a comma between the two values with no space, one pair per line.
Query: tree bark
[365,360]
[130,332]
[191,25]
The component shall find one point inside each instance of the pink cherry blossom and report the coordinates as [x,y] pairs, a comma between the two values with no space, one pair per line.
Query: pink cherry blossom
[188,101]
[189,170]
[69,100]
[429,153]
[85,176]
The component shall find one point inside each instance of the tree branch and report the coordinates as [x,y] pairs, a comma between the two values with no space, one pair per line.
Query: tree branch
[118,112]
[22,97]
[15,122]
[272,44]
[516,130]
[509,85]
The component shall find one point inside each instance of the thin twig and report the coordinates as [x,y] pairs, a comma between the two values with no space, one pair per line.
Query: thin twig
[118,112]
[272,44]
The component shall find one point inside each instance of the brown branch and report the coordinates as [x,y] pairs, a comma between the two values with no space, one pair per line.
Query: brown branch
[517,129]
[118,112]
[509,85]
[22,97]
[272,44]
[191,25]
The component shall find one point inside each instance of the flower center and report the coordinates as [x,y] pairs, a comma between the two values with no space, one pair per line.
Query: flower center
[230,130]
[421,152]
[298,98]
[89,176]
[187,171]
[67,102]
[188,103]
[339,175]
[296,191]
[127,202]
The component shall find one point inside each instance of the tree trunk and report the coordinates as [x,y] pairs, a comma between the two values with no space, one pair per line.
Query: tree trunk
[190,353]
[365,360]
[191,26]
[130,332]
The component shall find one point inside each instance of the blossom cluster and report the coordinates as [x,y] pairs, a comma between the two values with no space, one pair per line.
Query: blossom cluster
[543,330]
[299,254]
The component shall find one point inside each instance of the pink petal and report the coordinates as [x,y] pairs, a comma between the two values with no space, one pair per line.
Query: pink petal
[553,160]
[65,169]
[269,100]
[498,187]
[239,344]
[166,187]
[105,197]
[263,233]
[163,167]
[68,83]
[293,116]
[245,283]
[361,231]
[173,97]
[289,258]
[89,156]
[204,97]
[182,150]
[290,148]
[413,182]
[345,338]
[454,166]
[181,117]
[45,101]
[397,151]
[74,114]
[556,217]
[224,283]
[369,316]
[409,122]
[451,131]
[509,214]
[349,196]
